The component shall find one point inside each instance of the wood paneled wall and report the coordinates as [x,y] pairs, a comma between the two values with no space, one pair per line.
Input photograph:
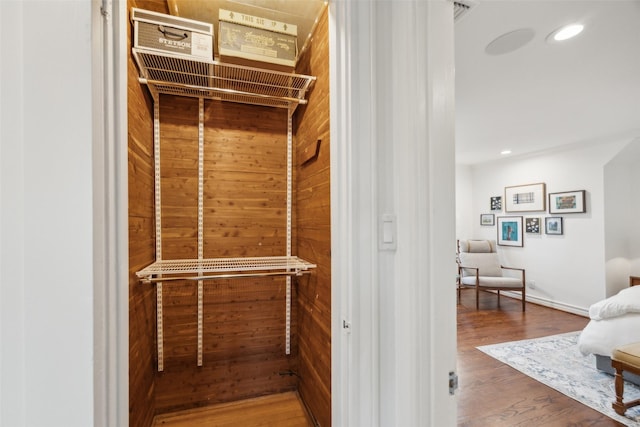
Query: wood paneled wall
[244,215]
[142,312]
[314,232]
[245,187]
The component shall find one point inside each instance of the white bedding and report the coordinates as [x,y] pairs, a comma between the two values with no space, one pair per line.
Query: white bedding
[625,301]
[614,321]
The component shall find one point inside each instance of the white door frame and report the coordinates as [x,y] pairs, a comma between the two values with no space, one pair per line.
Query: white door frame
[110,189]
[406,343]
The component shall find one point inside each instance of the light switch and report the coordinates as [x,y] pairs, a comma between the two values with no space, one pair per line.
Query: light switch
[388,232]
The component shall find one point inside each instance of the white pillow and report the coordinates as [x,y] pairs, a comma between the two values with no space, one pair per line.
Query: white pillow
[479,246]
[625,301]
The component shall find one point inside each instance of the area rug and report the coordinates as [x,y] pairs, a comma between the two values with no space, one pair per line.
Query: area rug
[556,362]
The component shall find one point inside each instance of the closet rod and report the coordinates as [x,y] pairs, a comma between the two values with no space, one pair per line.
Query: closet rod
[223,90]
[223,276]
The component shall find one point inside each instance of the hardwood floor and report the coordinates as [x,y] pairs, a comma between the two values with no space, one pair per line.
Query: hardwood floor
[281,410]
[490,393]
[493,394]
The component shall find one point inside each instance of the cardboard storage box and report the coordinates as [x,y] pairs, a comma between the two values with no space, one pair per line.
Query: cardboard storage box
[257,42]
[171,34]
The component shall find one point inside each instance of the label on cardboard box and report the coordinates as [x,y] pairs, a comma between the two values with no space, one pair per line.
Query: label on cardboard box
[235,40]
[257,22]
[201,45]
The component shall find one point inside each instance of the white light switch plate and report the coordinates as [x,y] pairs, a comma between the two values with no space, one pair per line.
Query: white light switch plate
[388,235]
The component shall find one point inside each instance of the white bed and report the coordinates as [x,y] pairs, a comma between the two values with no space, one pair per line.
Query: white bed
[614,321]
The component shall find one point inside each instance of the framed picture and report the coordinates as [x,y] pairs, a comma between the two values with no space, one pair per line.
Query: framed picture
[487,219]
[553,225]
[496,203]
[532,225]
[567,202]
[510,230]
[525,198]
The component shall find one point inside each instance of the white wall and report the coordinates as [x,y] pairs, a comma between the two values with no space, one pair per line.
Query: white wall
[465,203]
[568,270]
[46,274]
[622,202]
[634,208]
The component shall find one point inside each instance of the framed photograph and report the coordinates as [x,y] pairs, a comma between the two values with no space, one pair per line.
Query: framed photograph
[487,219]
[525,198]
[532,225]
[510,230]
[496,203]
[553,225]
[567,202]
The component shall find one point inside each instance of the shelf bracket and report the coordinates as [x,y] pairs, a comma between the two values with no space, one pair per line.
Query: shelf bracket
[200,225]
[158,218]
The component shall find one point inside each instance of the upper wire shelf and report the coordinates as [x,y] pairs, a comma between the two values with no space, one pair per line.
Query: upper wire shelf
[177,75]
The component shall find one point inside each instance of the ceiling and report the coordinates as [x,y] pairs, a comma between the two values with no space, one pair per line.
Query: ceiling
[544,96]
[538,97]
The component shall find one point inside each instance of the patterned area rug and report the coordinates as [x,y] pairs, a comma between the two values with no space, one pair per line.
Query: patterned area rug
[556,361]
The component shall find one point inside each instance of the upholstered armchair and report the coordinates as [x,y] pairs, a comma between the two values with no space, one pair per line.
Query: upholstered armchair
[479,267]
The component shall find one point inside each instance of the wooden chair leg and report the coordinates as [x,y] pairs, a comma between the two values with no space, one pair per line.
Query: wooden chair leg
[618,406]
[498,298]
[523,299]
[477,297]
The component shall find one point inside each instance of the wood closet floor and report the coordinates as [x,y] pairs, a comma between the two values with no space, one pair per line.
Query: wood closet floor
[493,394]
[277,410]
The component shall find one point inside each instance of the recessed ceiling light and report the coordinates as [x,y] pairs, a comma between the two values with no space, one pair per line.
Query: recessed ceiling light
[505,152]
[565,33]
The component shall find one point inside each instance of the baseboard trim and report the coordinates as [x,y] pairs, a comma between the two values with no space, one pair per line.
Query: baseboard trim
[580,311]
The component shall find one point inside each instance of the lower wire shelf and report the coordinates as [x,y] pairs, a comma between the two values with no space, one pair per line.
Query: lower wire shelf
[223,268]
[200,270]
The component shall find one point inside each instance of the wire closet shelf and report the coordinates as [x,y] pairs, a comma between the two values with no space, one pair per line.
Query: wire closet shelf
[176,75]
[220,268]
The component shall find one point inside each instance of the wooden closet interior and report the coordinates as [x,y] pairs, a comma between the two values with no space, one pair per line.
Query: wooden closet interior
[229,190]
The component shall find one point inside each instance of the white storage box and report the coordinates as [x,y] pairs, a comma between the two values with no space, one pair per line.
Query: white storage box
[171,34]
[253,41]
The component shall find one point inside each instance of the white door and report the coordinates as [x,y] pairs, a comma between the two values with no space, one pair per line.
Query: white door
[393,213]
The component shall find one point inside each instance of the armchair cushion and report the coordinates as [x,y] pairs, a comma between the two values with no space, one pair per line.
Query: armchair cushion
[487,263]
[493,282]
